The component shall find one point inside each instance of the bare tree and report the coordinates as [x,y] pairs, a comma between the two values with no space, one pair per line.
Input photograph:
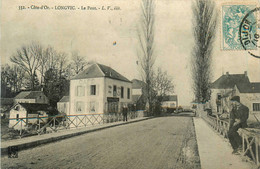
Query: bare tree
[162,83]
[27,58]
[78,62]
[146,42]
[204,28]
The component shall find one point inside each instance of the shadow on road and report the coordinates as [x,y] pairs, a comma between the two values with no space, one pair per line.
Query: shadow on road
[181,114]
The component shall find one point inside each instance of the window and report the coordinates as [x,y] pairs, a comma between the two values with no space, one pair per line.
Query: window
[92,107]
[79,106]
[93,89]
[17,108]
[122,92]
[256,106]
[114,91]
[80,91]
[219,96]
[128,93]
[17,117]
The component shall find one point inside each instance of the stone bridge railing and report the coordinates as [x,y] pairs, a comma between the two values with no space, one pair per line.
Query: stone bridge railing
[250,137]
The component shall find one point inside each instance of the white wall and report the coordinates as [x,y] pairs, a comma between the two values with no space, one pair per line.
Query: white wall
[137,92]
[25,101]
[22,114]
[63,107]
[86,98]
[109,83]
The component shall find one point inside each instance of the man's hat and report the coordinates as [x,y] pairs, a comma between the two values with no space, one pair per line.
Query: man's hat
[235,98]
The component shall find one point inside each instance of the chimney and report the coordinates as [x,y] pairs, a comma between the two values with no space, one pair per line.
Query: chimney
[245,73]
[227,73]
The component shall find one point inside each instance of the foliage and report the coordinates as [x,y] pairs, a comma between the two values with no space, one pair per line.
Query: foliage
[204,31]
[146,47]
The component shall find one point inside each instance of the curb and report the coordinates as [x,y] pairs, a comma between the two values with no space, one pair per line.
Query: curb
[32,144]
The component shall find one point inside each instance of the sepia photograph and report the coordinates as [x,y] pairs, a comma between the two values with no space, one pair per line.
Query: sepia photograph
[130,84]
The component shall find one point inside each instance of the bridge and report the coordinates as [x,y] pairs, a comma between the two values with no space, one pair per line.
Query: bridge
[174,141]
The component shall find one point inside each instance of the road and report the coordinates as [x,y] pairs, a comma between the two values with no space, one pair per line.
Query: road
[163,142]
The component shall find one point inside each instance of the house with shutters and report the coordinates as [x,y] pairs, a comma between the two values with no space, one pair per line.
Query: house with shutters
[99,89]
[229,85]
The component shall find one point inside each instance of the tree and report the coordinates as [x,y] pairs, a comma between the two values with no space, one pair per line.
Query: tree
[204,28]
[27,58]
[78,62]
[12,80]
[146,42]
[162,86]
[55,86]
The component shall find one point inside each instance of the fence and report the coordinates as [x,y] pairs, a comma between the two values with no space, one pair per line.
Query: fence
[46,124]
[250,137]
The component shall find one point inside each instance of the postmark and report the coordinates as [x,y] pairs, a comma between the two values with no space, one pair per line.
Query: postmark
[249,35]
[232,15]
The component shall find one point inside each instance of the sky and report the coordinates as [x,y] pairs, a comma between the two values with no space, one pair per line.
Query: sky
[92,33]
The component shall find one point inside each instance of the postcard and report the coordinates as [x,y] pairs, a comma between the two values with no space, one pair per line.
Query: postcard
[130,84]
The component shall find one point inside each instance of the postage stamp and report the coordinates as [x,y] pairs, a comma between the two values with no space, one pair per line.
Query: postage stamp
[249,32]
[232,15]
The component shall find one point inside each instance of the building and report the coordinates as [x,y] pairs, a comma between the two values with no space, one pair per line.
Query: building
[22,115]
[138,94]
[31,97]
[229,85]
[170,101]
[63,105]
[99,89]
[249,96]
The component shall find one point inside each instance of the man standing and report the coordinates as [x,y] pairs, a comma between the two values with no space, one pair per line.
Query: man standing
[238,117]
[125,113]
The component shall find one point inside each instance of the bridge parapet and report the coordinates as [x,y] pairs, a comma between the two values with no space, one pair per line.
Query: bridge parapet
[250,137]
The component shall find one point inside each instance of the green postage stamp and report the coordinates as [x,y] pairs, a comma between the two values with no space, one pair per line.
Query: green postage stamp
[232,17]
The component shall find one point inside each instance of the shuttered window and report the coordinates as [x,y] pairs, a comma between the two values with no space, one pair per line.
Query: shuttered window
[79,106]
[128,93]
[93,89]
[122,92]
[80,91]
[256,106]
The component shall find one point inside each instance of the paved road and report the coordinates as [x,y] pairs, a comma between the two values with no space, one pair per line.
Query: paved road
[164,142]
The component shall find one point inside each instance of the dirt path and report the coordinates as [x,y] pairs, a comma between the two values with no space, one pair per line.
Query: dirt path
[165,142]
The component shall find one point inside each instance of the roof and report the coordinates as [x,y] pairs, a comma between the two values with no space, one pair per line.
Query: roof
[28,95]
[38,107]
[170,98]
[250,88]
[230,80]
[255,87]
[65,99]
[99,70]
[137,84]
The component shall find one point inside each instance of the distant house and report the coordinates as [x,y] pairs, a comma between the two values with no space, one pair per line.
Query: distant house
[63,105]
[249,96]
[99,89]
[31,97]
[229,85]
[26,114]
[170,101]
[6,104]
[138,94]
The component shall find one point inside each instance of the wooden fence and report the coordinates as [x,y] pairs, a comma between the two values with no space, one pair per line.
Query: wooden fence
[48,124]
[250,137]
